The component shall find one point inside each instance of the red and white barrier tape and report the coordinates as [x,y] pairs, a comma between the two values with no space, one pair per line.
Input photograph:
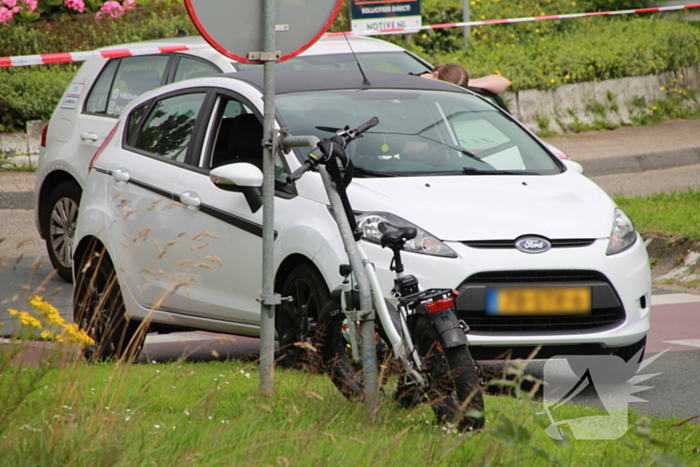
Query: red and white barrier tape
[26,60]
[379,32]
[45,59]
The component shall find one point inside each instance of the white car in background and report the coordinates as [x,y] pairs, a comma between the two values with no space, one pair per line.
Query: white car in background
[540,254]
[103,87]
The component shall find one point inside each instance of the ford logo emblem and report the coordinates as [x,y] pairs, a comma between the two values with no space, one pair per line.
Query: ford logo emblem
[533,244]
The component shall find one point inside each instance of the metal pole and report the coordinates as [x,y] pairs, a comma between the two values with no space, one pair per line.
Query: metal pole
[268,298]
[465,18]
[366,312]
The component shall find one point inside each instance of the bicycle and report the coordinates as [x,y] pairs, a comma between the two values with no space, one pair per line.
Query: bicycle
[421,333]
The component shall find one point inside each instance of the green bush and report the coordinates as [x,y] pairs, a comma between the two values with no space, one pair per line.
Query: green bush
[31,94]
[533,55]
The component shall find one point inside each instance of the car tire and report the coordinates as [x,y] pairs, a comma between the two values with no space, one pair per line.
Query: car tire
[296,320]
[59,220]
[98,309]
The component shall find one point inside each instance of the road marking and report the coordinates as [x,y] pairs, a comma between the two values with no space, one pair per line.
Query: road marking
[687,342]
[671,299]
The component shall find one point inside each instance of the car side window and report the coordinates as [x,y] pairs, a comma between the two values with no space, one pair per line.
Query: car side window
[123,80]
[188,68]
[238,135]
[167,129]
[238,138]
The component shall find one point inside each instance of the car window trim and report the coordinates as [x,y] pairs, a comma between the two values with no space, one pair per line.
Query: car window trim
[174,64]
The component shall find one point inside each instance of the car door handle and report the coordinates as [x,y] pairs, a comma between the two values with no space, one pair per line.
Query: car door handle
[89,137]
[191,200]
[121,176]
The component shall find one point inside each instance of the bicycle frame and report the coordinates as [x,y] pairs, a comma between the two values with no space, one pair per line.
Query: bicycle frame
[403,347]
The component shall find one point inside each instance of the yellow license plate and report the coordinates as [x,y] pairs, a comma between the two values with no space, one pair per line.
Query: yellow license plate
[538,301]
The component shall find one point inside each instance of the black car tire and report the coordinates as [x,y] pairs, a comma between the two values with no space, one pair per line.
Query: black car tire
[98,308]
[296,319]
[59,220]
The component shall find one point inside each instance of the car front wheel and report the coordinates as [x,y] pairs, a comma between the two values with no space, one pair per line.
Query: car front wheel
[296,320]
[60,218]
[98,309]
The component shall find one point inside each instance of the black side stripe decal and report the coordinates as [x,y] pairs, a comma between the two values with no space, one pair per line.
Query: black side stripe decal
[238,222]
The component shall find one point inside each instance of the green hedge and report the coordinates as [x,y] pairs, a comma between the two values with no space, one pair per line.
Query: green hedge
[540,55]
[30,94]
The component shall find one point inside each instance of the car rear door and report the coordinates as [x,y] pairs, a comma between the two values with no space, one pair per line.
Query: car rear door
[119,82]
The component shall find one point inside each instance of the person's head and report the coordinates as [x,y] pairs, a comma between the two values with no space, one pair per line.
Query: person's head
[452,73]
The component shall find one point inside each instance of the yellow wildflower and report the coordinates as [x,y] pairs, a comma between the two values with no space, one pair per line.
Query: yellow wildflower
[567,77]
[28,320]
[46,309]
[662,88]
[552,80]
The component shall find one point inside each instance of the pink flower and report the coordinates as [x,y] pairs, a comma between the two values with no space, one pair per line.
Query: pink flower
[113,9]
[31,4]
[129,5]
[76,5]
[9,4]
[5,15]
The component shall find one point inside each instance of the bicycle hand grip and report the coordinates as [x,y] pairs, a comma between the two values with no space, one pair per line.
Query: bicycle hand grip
[366,126]
[296,175]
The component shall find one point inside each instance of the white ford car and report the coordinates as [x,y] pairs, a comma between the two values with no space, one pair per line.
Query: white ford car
[541,255]
[103,87]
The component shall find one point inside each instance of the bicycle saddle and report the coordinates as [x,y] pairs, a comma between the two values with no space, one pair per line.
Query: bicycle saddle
[394,236]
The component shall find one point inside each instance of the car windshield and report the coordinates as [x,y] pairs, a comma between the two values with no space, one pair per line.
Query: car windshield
[420,132]
[393,62]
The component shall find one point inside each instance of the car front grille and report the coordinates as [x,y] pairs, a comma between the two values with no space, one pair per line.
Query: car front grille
[607,310]
[505,244]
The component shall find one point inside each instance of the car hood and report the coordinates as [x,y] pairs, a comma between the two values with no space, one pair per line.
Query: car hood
[469,207]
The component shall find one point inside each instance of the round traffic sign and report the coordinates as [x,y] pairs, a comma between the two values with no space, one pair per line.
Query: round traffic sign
[235,27]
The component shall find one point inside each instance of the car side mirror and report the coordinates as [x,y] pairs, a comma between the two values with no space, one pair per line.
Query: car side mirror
[240,177]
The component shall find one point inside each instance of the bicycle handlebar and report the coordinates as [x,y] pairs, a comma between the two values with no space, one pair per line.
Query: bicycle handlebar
[326,143]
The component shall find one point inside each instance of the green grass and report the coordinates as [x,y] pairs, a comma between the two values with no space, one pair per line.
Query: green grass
[671,214]
[211,414]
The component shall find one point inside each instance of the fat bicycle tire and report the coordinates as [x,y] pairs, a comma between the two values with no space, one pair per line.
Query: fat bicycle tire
[454,388]
[336,354]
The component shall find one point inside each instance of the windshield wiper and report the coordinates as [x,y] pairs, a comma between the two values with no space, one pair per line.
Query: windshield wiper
[475,171]
[358,170]
[471,155]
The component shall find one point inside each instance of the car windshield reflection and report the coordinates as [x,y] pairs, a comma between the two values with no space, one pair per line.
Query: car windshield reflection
[420,133]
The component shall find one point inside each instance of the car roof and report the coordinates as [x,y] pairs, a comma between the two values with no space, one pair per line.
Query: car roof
[324,46]
[289,81]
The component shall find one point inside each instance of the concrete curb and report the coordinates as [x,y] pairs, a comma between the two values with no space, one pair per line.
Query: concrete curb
[640,162]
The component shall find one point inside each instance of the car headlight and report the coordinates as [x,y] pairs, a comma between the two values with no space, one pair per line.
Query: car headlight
[623,234]
[423,243]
